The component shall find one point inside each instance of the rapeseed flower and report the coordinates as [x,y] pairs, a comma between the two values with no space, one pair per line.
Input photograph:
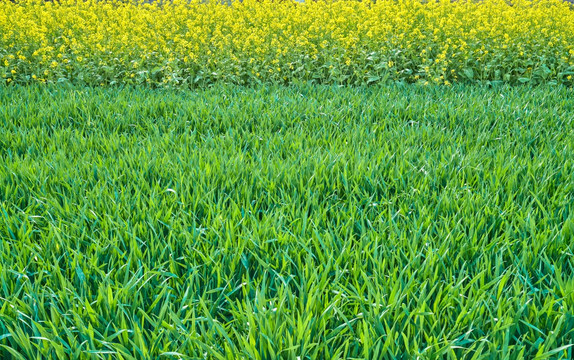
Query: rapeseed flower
[345,41]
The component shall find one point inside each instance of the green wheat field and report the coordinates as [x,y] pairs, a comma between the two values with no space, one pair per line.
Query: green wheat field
[287,222]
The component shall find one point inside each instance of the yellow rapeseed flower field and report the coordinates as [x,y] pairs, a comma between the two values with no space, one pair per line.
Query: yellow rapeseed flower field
[340,42]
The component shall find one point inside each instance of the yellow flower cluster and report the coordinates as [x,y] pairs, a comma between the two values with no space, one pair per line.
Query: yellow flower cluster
[340,42]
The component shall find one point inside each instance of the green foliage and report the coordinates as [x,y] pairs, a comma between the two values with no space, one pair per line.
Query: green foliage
[286,223]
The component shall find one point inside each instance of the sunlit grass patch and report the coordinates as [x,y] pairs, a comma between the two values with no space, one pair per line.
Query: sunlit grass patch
[286,223]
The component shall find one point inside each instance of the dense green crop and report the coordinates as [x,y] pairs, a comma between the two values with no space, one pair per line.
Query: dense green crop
[286,223]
